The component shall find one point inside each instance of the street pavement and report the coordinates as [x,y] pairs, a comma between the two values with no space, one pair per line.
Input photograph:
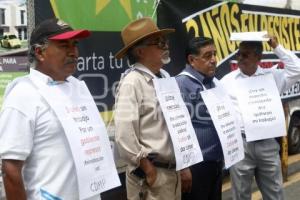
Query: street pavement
[292,191]
[291,186]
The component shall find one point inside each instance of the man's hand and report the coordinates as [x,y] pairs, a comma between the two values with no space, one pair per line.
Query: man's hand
[186,180]
[13,180]
[149,170]
[273,42]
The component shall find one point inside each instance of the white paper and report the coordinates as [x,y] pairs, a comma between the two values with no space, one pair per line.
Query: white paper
[261,107]
[86,134]
[224,118]
[185,143]
[249,36]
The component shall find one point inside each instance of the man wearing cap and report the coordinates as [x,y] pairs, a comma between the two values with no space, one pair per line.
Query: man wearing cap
[37,161]
[202,180]
[142,135]
[262,159]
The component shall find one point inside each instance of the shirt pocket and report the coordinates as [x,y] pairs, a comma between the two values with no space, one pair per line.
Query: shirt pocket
[149,106]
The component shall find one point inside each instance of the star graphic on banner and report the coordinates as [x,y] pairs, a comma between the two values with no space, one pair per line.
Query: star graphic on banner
[126,4]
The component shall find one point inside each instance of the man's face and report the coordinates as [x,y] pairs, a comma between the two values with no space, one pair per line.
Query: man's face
[205,62]
[247,59]
[155,52]
[59,59]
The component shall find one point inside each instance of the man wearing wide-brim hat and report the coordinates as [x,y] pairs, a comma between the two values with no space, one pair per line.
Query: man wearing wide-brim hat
[142,136]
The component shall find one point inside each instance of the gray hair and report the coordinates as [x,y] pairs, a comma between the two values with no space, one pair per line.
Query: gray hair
[31,54]
[131,54]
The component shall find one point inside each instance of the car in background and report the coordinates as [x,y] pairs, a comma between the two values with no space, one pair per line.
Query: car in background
[293,120]
[10,41]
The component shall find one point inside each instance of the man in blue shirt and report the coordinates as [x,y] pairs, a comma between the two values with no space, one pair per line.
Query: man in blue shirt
[202,180]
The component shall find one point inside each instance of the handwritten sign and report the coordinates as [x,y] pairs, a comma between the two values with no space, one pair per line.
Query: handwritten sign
[86,134]
[185,143]
[261,107]
[224,118]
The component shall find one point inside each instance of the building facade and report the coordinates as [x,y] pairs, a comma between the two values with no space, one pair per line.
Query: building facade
[13,19]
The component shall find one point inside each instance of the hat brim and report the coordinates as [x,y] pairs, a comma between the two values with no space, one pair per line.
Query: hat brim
[123,51]
[75,34]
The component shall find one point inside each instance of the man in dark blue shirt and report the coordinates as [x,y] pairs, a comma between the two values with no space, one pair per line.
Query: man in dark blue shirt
[203,180]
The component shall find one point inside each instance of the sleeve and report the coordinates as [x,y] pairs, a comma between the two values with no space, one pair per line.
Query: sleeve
[16,135]
[127,114]
[291,73]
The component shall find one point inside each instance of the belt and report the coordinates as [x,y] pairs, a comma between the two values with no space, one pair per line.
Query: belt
[243,135]
[164,165]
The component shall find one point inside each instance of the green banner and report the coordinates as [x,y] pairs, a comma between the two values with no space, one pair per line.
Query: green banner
[101,15]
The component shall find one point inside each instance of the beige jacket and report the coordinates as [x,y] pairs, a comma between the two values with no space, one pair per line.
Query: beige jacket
[140,126]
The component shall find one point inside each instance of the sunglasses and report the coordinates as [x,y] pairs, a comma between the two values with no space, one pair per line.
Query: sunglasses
[160,43]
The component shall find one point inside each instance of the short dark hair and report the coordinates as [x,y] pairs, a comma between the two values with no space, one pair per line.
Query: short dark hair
[195,44]
[256,45]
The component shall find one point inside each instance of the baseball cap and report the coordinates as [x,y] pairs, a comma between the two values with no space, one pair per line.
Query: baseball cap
[56,29]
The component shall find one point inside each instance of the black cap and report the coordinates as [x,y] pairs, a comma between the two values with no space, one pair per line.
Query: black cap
[55,29]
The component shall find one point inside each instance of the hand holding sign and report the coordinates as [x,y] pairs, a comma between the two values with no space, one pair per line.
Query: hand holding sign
[273,41]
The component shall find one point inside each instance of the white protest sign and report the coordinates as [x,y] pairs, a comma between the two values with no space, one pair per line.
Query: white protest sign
[224,118]
[261,107]
[185,143]
[86,134]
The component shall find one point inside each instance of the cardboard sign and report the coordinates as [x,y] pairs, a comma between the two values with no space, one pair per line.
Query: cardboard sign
[86,134]
[224,118]
[185,143]
[261,107]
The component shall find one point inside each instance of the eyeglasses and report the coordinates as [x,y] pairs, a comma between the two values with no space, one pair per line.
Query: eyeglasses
[160,43]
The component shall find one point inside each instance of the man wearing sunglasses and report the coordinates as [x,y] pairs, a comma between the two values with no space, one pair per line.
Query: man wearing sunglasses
[142,135]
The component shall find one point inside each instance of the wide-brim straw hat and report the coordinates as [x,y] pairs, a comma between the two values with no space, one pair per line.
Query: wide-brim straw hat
[137,31]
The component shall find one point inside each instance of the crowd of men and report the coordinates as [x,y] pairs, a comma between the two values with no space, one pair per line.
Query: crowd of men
[35,146]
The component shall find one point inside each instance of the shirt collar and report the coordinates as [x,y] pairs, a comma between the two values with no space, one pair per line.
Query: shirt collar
[149,76]
[259,71]
[39,76]
[198,75]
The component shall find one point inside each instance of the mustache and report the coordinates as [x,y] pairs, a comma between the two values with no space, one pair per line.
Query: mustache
[71,61]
